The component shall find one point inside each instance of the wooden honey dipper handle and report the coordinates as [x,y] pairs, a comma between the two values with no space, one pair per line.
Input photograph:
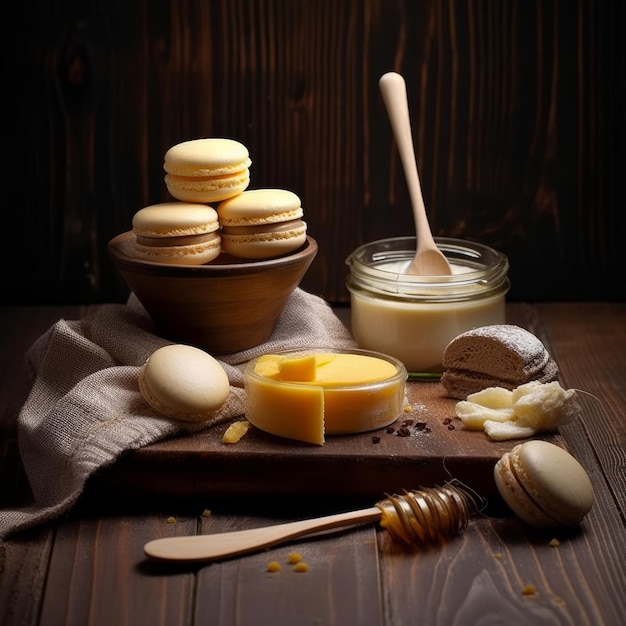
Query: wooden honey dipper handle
[229,544]
[415,517]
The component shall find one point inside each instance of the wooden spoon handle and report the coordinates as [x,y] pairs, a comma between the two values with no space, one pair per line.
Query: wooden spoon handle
[428,259]
[223,545]
[393,90]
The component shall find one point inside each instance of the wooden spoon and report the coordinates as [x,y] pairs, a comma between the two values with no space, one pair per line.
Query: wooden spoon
[428,260]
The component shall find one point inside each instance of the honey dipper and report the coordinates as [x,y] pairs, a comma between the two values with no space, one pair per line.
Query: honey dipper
[426,515]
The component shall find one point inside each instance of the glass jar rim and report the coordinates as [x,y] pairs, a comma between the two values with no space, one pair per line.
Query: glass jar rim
[487,273]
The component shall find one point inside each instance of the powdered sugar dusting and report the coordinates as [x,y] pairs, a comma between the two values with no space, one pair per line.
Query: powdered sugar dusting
[513,337]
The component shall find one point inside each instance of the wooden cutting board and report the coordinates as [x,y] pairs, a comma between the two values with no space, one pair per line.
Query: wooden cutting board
[435,449]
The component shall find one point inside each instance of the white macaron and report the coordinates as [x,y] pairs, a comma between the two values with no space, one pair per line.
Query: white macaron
[544,485]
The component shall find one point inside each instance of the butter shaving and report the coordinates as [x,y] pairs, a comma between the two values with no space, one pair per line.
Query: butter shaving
[529,409]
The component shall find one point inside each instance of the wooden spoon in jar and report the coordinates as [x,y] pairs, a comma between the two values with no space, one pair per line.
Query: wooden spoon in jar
[428,260]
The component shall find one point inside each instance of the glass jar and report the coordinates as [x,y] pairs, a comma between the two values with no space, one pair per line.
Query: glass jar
[413,318]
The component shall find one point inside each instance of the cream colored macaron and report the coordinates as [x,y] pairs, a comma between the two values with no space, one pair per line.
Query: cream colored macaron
[207,170]
[544,485]
[177,233]
[262,223]
[184,383]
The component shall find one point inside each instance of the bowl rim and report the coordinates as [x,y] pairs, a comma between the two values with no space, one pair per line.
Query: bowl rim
[115,249]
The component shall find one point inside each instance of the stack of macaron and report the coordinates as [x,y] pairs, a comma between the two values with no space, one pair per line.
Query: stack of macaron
[255,224]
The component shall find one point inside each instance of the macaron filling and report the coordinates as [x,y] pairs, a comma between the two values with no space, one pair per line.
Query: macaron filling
[184,240]
[207,183]
[206,175]
[275,230]
[234,221]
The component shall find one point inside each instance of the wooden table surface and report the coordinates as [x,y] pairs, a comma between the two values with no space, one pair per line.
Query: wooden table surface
[88,568]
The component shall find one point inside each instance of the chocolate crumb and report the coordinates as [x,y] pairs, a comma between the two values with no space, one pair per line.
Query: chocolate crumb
[391,430]
[451,427]
[403,431]
[420,425]
[375,439]
[447,421]
[408,422]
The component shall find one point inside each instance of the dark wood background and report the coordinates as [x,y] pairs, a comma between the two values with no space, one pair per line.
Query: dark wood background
[517,106]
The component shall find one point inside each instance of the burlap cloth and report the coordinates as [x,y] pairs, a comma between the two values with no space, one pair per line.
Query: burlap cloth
[85,409]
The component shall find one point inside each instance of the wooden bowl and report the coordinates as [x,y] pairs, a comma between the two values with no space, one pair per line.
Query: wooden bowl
[224,306]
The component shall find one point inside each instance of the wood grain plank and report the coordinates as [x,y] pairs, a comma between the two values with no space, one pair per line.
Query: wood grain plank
[98,575]
[341,585]
[24,559]
[517,113]
[481,576]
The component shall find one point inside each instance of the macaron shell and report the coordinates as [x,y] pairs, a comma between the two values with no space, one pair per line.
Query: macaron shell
[213,156]
[260,206]
[544,484]
[175,219]
[183,382]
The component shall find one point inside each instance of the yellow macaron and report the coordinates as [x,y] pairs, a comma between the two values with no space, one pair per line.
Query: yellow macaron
[184,383]
[177,233]
[207,170]
[262,223]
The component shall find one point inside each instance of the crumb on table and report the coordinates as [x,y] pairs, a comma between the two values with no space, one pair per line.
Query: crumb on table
[236,431]
[294,557]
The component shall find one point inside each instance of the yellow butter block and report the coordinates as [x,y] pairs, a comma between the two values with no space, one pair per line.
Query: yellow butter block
[308,396]
[298,368]
[291,411]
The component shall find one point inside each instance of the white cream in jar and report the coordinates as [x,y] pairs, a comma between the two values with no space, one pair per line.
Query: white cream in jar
[413,318]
